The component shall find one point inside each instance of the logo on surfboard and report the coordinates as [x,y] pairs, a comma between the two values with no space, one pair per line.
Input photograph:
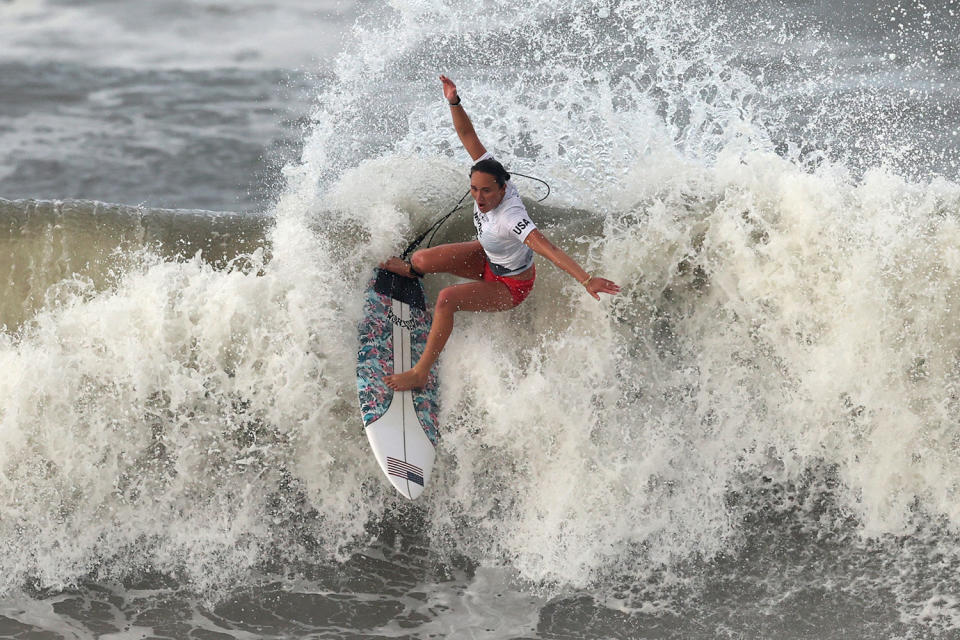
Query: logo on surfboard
[404,469]
[406,324]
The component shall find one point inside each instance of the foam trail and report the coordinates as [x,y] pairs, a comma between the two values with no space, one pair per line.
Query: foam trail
[176,420]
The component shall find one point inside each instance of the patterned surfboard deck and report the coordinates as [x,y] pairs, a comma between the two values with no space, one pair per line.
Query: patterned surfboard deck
[401,427]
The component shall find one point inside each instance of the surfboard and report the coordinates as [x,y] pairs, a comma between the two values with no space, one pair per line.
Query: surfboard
[401,426]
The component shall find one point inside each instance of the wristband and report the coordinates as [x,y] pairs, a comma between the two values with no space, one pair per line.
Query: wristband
[454,104]
[586,280]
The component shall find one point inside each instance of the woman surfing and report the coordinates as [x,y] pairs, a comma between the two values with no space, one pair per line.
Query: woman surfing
[500,260]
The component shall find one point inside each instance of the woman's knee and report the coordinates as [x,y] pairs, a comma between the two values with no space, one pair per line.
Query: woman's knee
[420,261]
[447,300]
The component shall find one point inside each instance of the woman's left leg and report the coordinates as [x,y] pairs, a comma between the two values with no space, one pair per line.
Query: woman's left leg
[463,259]
[472,296]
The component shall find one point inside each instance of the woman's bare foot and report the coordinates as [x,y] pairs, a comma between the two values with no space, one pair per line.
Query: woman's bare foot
[412,379]
[398,266]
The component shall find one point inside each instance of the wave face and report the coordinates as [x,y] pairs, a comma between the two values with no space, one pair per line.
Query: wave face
[51,246]
[782,362]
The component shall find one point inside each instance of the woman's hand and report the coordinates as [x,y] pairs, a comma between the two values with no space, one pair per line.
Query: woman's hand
[468,137]
[596,286]
[449,89]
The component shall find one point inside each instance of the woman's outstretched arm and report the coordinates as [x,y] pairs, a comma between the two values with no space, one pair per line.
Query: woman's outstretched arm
[460,120]
[594,285]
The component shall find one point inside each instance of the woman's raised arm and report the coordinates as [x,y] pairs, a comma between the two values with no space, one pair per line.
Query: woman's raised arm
[461,122]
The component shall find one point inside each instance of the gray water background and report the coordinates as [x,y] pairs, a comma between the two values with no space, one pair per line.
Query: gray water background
[173,128]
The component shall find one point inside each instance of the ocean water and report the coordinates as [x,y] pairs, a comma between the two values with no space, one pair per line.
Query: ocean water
[757,439]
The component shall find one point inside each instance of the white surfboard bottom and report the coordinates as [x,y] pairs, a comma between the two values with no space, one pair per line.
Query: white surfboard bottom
[402,449]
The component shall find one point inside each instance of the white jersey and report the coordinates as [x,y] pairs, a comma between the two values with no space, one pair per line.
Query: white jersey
[502,230]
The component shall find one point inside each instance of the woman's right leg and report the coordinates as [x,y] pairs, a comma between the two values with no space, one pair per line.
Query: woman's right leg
[469,296]
[463,259]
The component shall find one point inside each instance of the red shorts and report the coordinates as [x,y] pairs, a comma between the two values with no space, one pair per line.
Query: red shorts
[519,289]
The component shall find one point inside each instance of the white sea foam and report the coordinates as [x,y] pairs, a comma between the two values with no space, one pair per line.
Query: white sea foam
[776,313]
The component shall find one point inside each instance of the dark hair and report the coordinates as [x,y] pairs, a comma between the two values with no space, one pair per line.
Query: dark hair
[494,168]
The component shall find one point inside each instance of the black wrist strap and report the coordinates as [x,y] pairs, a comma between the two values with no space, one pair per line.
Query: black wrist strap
[414,271]
[454,104]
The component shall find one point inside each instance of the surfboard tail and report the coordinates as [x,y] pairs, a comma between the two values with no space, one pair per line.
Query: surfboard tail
[405,456]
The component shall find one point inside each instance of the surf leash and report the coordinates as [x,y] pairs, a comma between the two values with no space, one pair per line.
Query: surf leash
[543,182]
[432,229]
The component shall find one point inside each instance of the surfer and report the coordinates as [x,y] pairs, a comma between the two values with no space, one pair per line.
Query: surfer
[500,260]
